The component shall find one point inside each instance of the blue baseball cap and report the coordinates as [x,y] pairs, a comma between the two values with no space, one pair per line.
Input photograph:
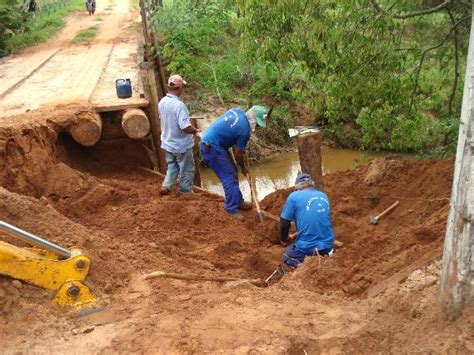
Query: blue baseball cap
[302,178]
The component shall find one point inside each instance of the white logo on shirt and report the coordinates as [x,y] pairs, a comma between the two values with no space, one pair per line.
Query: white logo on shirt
[320,206]
[236,119]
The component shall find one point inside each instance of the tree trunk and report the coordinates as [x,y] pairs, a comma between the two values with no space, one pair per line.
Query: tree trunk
[457,276]
[309,151]
[87,130]
[135,123]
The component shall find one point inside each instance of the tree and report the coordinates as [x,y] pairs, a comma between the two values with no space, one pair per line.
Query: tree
[361,63]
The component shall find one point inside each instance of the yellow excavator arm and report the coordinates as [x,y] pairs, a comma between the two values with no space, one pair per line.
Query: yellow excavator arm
[49,266]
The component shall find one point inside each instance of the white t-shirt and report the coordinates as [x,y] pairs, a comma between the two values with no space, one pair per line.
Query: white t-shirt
[174,118]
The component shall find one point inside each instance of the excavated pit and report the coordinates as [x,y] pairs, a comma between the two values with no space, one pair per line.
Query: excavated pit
[96,199]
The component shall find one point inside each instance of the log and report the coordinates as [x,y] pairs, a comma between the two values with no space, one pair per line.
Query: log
[135,123]
[309,151]
[87,129]
[195,277]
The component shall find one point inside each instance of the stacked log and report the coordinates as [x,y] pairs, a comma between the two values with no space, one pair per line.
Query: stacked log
[135,123]
[87,129]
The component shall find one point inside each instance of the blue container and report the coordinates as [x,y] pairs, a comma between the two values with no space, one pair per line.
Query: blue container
[124,88]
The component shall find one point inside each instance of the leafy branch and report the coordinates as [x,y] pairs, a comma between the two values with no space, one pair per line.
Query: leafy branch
[431,10]
[425,52]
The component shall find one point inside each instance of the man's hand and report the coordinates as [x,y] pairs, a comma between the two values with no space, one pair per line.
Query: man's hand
[284,244]
[190,130]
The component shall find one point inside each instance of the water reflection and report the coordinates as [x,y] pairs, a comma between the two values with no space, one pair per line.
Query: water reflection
[280,171]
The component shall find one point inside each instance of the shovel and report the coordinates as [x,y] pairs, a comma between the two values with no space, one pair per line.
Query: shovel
[375,219]
[254,197]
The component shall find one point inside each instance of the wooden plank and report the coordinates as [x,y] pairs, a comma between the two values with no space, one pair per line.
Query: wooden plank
[397,277]
[120,105]
[197,155]
[147,73]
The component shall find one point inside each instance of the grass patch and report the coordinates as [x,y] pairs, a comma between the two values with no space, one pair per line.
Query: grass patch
[98,19]
[86,34]
[110,8]
[43,26]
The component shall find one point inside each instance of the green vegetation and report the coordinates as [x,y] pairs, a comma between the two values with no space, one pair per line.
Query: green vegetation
[20,29]
[86,34]
[378,75]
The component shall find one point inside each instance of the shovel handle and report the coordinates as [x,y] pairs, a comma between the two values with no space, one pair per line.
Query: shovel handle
[254,196]
[391,207]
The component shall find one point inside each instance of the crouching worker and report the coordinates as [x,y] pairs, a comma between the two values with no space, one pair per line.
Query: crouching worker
[310,210]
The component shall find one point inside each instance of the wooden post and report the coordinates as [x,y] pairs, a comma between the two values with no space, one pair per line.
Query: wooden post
[457,276]
[309,151]
[147,75]
[197,156]
[146,36]
[159,72]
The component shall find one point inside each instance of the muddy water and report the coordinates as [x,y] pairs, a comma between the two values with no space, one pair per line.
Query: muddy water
[280,172]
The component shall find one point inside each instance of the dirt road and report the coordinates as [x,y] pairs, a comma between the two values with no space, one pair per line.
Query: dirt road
[60,71]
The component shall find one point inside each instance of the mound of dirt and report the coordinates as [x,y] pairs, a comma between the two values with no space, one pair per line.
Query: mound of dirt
[96,199]
[28,154]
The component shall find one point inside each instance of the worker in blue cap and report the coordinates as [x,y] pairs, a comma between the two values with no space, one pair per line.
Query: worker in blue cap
[310,210]
[231,130]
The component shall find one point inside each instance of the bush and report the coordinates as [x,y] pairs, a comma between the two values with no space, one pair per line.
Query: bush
[28,30]
[13,20]
[278,124]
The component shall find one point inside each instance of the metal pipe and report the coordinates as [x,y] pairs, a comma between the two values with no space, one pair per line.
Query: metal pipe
[34,240]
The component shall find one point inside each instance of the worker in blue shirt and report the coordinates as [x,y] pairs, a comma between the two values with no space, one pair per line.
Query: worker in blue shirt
[310,210]
[231,130]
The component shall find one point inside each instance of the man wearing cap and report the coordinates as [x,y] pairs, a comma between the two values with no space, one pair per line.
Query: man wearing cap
[177,137]
[310,210]
[231,130]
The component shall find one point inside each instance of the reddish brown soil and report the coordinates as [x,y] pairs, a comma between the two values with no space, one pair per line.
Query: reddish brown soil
[96,199]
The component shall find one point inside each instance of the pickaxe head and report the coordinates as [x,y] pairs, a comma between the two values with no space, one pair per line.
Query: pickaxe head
[373,220]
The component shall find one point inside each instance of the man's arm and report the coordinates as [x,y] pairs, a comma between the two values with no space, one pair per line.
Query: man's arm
[190,130]
[284,230]
[240,159]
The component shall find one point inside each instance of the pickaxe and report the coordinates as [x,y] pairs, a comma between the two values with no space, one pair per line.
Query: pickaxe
[375,219]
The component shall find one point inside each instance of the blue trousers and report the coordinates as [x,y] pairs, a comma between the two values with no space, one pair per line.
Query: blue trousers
[181,164]
[293,257]
[223,165]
